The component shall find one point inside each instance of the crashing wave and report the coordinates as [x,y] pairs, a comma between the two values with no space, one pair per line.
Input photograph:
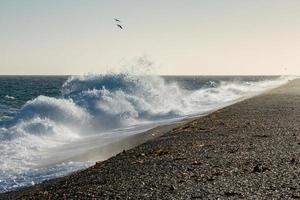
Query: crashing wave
[94,104]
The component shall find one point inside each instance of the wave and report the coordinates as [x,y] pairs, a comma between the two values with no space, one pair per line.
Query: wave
[95,104]
[9,97]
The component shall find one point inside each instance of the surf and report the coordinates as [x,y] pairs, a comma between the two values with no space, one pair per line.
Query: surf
[94,111]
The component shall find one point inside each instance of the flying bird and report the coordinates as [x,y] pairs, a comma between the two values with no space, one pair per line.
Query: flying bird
[119,26]
[117,20]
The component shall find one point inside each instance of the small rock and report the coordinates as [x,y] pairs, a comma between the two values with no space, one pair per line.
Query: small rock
[210,179]
[231,194]
[259,168]
[172,188]
[197,162]
[160,152]
[98,162]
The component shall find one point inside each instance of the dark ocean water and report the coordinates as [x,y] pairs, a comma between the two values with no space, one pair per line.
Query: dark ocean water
[15,91]
[40,114]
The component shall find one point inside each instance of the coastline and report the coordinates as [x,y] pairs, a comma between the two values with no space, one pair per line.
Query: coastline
[181,157]
[128,142]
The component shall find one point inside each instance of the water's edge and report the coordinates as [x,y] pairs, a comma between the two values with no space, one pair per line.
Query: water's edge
[133,141]
[111,149]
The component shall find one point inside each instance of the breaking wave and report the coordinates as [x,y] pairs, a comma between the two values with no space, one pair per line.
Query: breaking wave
[94,104]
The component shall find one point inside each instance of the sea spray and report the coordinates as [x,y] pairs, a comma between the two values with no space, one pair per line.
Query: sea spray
[98,105]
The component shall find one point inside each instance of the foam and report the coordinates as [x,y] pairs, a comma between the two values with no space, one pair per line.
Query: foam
[99,104]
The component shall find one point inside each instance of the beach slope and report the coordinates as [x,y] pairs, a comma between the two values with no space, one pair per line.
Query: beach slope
[248,150]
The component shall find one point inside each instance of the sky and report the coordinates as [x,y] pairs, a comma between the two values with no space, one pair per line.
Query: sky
[180,37]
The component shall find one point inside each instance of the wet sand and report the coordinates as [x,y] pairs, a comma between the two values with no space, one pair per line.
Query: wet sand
[249,150]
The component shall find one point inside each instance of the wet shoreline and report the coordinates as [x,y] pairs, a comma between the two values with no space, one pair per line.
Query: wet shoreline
[246,150]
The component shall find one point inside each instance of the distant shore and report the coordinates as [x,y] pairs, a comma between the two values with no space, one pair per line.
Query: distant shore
[247,150]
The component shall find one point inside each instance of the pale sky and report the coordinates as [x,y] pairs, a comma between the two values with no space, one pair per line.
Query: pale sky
[190,37]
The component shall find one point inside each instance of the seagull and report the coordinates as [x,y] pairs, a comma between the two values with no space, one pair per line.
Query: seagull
[119,26]
[117,20]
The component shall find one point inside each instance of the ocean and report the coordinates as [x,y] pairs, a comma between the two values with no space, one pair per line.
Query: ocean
[47,121]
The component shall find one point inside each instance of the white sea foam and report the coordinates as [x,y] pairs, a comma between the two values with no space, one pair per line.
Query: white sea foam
[96,105]
[9,97]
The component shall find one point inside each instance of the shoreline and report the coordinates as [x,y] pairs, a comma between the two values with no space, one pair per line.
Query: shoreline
[165,131]
[129,142]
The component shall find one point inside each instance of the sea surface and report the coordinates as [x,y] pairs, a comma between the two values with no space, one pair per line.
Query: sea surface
[42,115]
